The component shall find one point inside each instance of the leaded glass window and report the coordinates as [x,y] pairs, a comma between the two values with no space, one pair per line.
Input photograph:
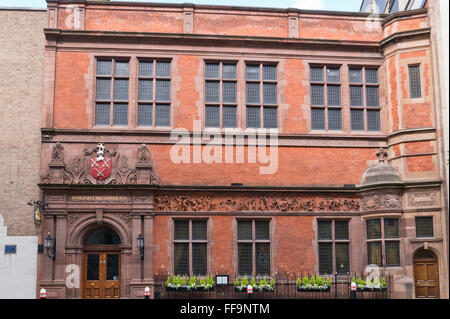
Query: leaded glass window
[333,246]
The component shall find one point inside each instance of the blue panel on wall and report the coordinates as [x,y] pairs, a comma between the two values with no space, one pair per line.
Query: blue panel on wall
[10,249]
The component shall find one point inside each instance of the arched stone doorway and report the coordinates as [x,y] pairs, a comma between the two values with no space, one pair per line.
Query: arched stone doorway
[101,264]
[426,274]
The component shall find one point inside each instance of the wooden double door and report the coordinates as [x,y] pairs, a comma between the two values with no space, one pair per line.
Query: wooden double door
[426,278]
[101,274]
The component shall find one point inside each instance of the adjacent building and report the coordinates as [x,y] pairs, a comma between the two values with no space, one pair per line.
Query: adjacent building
[239,141]
[21,96]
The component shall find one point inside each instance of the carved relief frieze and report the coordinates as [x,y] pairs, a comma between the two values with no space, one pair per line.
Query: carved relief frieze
[189,203]
[381,201]
[423,199]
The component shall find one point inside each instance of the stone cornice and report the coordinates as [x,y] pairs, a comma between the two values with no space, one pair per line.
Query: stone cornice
[425,32]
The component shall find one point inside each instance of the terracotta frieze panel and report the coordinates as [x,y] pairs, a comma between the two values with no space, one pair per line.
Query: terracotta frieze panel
[423,199]
[251,203]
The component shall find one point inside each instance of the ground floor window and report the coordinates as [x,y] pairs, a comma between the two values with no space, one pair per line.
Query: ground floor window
[383,242]
[333,246]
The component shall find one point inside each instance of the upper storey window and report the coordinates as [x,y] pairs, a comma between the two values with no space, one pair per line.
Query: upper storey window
[414,81]
[325,98]
[154,93]
[261,96]
[364,99]
[221,95]
[112,84]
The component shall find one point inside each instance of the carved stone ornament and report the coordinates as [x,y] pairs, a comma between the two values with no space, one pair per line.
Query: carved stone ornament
[381,201]
[101,169]
[423,199]
[187,203]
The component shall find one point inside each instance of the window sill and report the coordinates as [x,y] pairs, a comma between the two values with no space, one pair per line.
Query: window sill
[425,239]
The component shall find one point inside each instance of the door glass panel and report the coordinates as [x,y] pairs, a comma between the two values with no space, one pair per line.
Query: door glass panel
[112,267]
[92,267]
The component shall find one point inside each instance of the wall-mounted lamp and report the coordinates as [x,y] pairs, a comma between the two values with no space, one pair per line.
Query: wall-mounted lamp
[50,246]
[140,245]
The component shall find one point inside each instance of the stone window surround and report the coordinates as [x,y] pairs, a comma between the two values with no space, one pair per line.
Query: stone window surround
[383,240]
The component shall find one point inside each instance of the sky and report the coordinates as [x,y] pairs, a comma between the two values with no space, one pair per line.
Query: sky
[333,5]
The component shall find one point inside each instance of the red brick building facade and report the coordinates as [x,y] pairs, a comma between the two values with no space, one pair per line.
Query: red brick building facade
[334,88]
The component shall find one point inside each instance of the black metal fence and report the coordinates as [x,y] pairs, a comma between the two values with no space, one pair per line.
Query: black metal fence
[285,288]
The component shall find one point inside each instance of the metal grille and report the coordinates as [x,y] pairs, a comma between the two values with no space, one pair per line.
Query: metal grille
[162,116]
[342,258]
[355,75]
[229,71]
[317,95]
[120,116]
[341,230]
[253,117]
[262,256]
[317,119]
[163,90]
[391,228]
[374,253]
[357,120]
[145,90]
[163,69]
[229,116]
[333,75]
[199,230]
[212,70]
[199,259]
[372,96]
[252,72]
[371,76]
[392,253]
[244,230]
[181,230]
[146,68]
[414,82]
[121,68]
[102,114]
[104,67]
[356,96]
[374,229]
[316,74]
[270,117]
[212,116]
[334,119]
[103,91]
[253,93]
[325,258]
[424,227]
[324,230]
[212,94]
[145,115]
[229,92]
[269,72]
[262,230]
[373,120]
[181,256]
[334,95]
[120,90]
[270,93]
[245,259]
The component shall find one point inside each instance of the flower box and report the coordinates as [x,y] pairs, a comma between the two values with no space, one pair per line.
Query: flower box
[266,288]
[371,289]
[189,288]
[314,289]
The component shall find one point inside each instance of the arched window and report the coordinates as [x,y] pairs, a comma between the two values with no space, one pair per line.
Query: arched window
[103,236]
[424,254]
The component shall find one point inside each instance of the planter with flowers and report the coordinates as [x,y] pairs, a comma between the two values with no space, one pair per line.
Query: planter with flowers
[262,286]
[314,284]
[177,284]
[370,286]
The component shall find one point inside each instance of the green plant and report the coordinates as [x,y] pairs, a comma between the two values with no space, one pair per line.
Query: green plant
[183,281]
[305,281]
[176,280]
[299,281]
[328,282]
[313,281]
[168,281]
[263,282]
[319,281]
[383,282]
[361,282]
[368,282]
[210,281]
[272,282]
[236,282]
[376,282]
[202,281]
[253,282]
[244,282]
[192,281]
[354,279]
